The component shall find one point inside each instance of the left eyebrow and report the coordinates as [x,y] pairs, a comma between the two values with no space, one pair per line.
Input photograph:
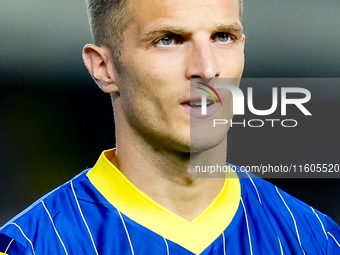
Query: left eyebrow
[236,28]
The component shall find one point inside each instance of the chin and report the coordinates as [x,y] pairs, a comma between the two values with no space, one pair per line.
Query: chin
[206,142]
[205,137]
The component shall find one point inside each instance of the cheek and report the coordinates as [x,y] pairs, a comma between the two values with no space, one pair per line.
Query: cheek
[144,96]
[240,66]
[232,64]
[160,80]
[159,64]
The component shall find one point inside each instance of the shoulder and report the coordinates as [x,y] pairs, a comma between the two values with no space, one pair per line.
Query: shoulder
[261,193]
[25,230]
[293,221]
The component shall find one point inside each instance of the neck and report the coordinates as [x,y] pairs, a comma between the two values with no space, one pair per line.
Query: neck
[165,176]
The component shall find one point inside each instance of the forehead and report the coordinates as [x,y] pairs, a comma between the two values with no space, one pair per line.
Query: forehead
[188,13]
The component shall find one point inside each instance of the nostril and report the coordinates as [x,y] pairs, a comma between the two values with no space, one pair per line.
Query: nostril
[196,76]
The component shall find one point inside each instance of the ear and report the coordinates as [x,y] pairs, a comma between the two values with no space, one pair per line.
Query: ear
[99,62]
[243,41]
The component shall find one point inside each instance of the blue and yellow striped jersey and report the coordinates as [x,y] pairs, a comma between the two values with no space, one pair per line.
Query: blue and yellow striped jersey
[101,212]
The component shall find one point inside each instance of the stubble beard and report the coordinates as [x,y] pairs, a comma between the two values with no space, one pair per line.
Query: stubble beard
[159,141]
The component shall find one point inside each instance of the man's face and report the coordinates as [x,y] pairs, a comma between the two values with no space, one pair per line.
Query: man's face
[168,43]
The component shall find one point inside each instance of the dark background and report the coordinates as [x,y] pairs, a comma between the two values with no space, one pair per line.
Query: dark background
[54,121]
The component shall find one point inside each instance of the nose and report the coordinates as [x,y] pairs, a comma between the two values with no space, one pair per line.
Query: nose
[202,62]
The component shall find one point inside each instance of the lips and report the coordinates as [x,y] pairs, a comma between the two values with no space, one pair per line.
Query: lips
[197,101]
[199,104]
[194,108]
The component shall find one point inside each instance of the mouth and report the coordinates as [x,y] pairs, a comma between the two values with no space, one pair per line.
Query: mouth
[199,104]
[194,108]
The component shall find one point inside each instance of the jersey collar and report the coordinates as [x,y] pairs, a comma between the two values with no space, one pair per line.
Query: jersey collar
[195,235]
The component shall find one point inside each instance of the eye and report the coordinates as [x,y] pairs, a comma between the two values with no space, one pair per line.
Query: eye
[166,41]
[224,38]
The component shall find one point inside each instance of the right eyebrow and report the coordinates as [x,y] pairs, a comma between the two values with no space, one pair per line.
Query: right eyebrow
[164,31]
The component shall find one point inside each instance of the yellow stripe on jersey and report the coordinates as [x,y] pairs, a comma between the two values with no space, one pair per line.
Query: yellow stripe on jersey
[195,235]
[3,253]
